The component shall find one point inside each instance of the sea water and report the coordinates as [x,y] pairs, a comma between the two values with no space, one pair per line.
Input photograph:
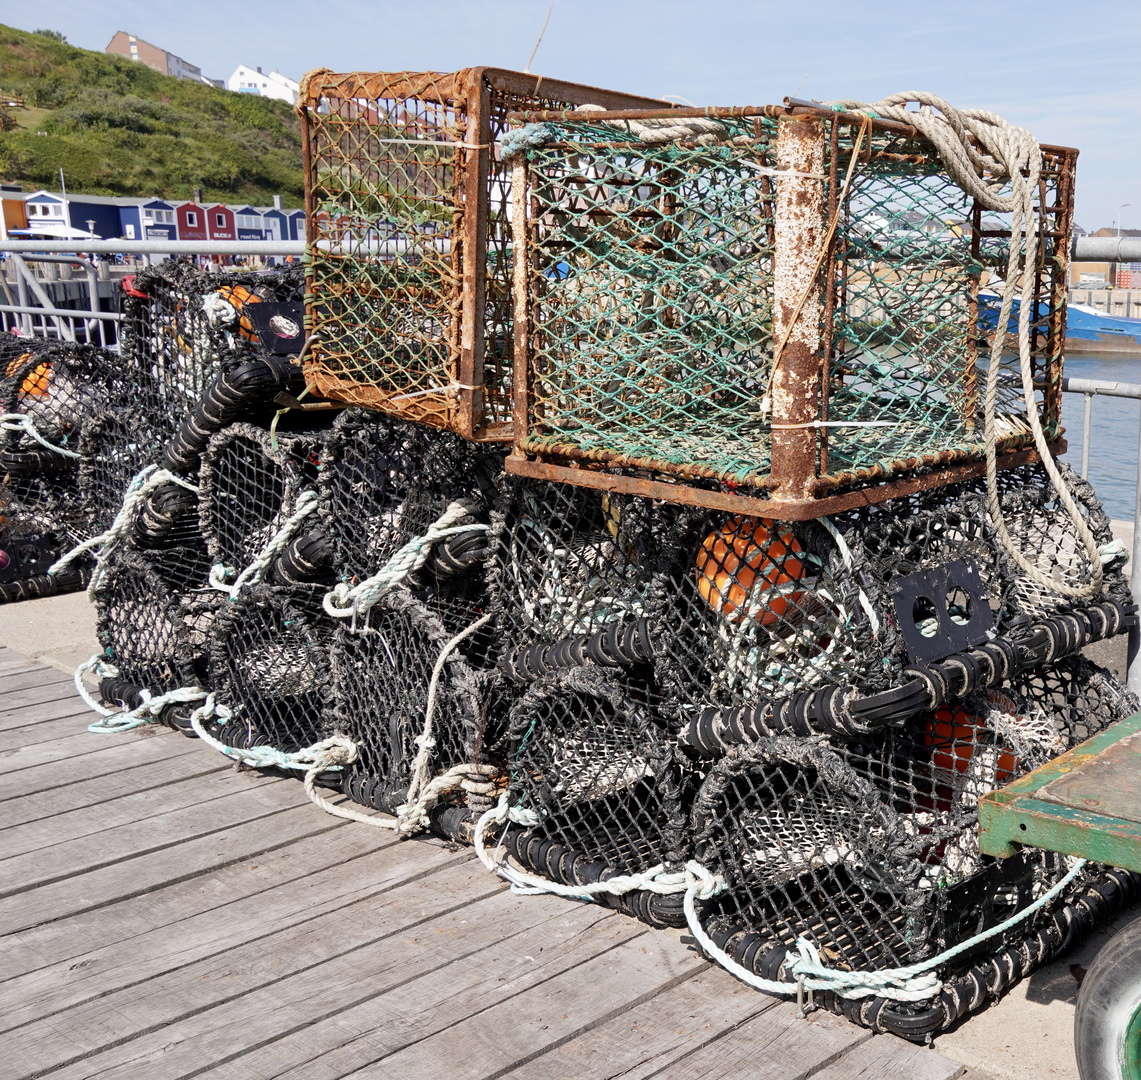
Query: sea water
[1113,430]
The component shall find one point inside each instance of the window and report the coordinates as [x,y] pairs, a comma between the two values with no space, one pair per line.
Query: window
[57,211]
[148,215]
[220,221]
[191,219]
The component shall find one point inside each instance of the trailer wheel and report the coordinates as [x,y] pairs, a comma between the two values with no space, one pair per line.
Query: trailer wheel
[1107,1023]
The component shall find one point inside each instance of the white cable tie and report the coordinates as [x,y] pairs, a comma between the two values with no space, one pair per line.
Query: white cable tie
[435,390]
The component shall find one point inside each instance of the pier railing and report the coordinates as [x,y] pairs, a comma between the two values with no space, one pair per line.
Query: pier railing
[32,312]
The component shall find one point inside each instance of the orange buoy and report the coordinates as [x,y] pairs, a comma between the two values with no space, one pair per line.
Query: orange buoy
[743,553]
[36,381]
[239,296]
[953,735]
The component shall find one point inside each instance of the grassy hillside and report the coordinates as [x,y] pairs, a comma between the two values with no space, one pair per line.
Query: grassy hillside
[119,128]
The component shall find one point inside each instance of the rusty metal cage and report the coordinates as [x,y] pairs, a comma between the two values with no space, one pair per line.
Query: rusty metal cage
[409,266]
[737,314]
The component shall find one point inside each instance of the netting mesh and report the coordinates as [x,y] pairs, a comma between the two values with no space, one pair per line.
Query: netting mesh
[381,677]
[410,274]
[869,847]
[590,755]
[249,483]
[269,663]
[651,294]
[153,623]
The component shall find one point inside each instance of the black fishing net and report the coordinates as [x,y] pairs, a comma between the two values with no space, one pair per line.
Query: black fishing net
[747,610]
[382,674]
[593,758]
[153,624]
[868,847]
[386,482]
[250,484]
[270,664]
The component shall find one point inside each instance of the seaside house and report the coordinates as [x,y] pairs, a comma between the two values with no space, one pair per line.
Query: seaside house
[220,222]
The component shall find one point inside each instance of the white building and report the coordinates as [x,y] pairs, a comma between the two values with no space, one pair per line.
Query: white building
[254,81]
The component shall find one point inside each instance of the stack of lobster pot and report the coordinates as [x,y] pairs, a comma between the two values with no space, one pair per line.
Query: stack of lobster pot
[207,350]
[54,395]
[413,677]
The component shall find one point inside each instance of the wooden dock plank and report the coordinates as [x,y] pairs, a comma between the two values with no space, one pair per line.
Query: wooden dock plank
[411,965]
[223,894]
[884,1057]
[176,862]
[358,877]
[104,756]
[773,1045]
[644,1039]
[205,805]
[167,916]
[56,802]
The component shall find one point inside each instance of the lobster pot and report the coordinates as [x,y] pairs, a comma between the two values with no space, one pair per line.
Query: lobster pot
[868,848]
[571,566]
[269,663]
[150,626]
[183,326]
[407,216]
[249,484]
[13,346]
[382,672]
[750,610]
[386,482]
[593,760]
[659,271]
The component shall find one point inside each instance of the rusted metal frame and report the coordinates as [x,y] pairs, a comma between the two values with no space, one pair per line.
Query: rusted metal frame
[659,111]
[1052,397]
[794,388]
[522,240]
[473,199]
[310,208]
[519,464]
[1015,816]
[829,296]
[613,459]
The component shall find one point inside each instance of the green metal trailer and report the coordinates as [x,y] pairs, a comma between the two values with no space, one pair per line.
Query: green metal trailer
[1087,803]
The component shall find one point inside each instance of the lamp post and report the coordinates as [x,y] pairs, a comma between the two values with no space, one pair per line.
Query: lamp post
[1113,266]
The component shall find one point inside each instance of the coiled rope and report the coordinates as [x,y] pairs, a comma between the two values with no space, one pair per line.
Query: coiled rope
[1004,152]
[345,601]
[307,503]
[143,483]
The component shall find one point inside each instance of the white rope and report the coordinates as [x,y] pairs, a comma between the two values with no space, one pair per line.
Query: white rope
[657,879]
[137,490]
[24,424]
[117,720]
[915,982]
[344,600]
[425,741]
[307,503]
[1006,152]
[849,563]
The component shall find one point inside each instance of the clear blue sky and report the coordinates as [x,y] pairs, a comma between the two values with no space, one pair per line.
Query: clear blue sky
[1070,72]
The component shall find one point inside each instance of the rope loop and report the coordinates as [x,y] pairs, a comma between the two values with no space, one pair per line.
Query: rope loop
[114,721]
[307,502]
[345,601]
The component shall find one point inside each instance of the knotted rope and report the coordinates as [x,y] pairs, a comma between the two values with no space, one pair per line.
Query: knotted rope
[1004,152]
[117,720]
[345,600]
[915,982]
[25,425]
[143,483]
[307,503]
